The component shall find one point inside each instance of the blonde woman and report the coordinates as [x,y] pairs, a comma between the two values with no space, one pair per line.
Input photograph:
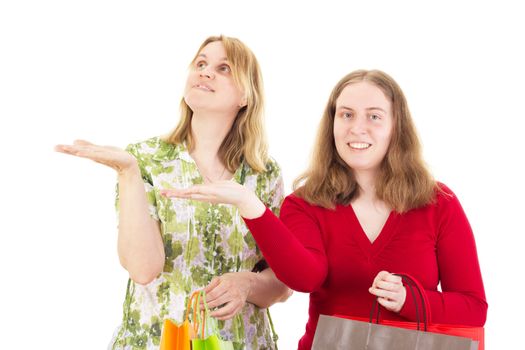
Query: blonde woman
[172,247]
[366,207]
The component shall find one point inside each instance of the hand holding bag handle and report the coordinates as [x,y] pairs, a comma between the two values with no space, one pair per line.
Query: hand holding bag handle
[342,331]
[411,284]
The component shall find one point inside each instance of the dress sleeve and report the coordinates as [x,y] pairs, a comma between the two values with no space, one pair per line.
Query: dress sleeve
[292,245]
[462,298]
[143,161]
[272,193]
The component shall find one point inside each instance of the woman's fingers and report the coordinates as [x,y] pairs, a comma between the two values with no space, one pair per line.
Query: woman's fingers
[110,156]
[391,295]
[391,286]
[390,291]
[177,192]
[203,193]
[187,193]
[387,304]
[82,143]
[222,299]
[390,277]
[74,150]
[385,278]
[228,293]
[214,283]
[227,311]
[217,296]
[64,148]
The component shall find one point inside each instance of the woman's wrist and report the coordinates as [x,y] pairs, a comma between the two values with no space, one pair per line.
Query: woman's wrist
[252,278]
[251,207]
[129,171]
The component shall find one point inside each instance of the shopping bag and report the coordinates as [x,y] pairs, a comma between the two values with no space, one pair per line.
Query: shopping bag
[350,333]
[338,333]
[207,337]
[178,337]
[474,333]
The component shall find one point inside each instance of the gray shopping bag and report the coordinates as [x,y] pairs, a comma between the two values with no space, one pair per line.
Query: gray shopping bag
[336,333]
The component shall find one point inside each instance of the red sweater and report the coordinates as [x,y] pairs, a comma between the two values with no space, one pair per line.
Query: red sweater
[327,254]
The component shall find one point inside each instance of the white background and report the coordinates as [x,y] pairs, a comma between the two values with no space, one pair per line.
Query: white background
[112,72]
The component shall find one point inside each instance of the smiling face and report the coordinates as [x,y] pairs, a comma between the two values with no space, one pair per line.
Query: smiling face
[363,126]
[210,86]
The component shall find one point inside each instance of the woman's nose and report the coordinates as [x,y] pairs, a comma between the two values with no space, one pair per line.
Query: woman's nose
[207,73]
[358,126]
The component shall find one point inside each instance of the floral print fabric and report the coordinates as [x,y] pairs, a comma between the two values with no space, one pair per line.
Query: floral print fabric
[201,240]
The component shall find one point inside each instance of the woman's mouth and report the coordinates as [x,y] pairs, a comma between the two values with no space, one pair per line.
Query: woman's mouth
[203,87]
[359,145]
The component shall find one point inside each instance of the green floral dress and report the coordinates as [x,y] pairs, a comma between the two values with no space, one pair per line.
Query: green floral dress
[201,240]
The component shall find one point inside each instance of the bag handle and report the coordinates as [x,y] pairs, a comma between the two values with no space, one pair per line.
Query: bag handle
[411,284]
[424,304]
[190,305]
[200,315]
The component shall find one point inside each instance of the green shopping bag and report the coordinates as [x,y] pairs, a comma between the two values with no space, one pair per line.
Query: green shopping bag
[208,337]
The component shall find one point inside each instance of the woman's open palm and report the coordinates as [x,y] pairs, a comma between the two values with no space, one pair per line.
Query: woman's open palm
[110,156]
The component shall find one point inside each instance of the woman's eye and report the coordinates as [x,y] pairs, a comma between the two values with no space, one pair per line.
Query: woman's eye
[224,69]
[375,117]
[347,115]
[200,65]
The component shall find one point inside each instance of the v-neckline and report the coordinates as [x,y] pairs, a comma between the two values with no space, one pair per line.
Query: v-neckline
[382,238]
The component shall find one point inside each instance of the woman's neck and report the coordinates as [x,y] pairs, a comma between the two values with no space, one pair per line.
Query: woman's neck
[367,195]
[366,181]
[208,132]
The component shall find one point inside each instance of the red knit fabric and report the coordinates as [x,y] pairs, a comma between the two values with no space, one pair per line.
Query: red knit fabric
[327,254]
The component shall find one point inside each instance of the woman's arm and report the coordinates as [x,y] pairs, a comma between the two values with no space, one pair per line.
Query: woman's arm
[230,291]
[462,299]
[140,246]
[267,289]
[289,249]
[292,245]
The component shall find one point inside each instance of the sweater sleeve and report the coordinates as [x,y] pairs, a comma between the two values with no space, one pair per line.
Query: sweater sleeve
[292,245]
[462,297]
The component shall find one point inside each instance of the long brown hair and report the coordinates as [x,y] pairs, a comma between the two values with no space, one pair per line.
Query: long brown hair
[246,138]
[403,181]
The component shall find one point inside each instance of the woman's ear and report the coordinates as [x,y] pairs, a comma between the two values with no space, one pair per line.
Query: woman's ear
[243,102]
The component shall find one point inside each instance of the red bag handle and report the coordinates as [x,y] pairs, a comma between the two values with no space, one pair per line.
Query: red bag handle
[412,284]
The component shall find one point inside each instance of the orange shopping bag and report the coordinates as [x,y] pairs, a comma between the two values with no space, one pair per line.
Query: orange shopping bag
[178,337]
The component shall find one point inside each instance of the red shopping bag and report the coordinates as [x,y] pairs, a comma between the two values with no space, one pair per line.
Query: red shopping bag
[474,333]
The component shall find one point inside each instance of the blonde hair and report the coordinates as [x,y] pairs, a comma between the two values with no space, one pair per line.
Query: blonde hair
[246,138]
[403,181]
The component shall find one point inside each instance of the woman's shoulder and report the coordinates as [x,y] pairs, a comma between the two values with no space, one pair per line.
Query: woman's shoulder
[295,199]
[446,199]
[271,169]
[149,145]
[294,204]
[443,192]
[154,148]
[272,166]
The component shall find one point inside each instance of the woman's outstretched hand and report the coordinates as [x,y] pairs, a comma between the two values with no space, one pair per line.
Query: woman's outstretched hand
[110,156]
[227,192]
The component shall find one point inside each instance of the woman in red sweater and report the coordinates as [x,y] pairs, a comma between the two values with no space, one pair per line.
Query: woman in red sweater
[366,208]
